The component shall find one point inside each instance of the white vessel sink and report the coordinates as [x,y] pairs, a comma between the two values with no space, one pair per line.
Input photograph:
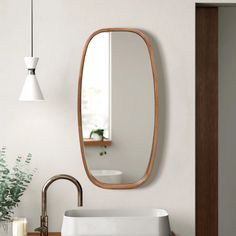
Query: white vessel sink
[108,176]
[116,222]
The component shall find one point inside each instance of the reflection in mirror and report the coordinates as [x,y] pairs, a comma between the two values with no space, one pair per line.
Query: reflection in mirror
[117,107]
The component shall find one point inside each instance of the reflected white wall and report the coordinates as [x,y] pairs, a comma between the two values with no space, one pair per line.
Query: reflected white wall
[227,118]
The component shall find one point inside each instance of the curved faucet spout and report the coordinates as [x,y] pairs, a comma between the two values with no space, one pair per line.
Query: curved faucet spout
[55,178]
[43,229]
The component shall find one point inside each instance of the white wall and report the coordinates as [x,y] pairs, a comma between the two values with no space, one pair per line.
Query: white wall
[227,117]
[49,129]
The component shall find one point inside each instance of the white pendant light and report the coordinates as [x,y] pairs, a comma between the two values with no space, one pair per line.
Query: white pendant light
[31,90]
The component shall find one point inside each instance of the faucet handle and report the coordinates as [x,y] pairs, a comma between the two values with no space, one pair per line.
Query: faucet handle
[42,229]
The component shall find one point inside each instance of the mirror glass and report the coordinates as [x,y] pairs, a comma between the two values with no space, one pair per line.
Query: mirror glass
[117,107]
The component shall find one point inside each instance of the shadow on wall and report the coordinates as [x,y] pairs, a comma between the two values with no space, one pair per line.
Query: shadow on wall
[162,112]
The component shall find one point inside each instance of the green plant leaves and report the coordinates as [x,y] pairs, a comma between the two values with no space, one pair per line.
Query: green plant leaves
[99,132]
[13,183]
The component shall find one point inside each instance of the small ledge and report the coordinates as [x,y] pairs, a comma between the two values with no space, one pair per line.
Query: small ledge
[91,142]
[38,234]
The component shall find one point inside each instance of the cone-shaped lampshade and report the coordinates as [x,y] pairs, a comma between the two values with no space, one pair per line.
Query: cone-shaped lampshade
[31,90]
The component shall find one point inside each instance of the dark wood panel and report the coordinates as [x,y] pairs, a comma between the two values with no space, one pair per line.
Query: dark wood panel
[207,121]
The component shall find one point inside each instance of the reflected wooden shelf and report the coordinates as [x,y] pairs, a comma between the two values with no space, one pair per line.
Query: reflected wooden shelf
[91,142]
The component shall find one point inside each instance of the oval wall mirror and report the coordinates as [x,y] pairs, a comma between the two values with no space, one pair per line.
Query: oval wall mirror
[118,108]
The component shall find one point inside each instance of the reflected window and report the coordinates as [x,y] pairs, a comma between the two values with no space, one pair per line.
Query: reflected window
[96,86]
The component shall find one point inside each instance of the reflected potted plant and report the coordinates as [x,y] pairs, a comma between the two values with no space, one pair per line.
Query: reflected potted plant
[97,134]
[13,183]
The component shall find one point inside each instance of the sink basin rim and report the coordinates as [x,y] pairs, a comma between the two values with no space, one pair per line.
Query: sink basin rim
[106,172]
[116,222]
[113,213]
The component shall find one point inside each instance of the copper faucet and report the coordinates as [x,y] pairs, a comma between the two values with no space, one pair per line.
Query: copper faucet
[43,229]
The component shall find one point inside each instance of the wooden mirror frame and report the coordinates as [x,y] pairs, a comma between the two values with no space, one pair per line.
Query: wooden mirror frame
[155,131]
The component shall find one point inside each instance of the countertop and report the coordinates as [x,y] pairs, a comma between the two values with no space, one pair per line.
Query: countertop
[59,234]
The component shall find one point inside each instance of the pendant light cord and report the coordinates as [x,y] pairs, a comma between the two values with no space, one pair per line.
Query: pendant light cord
[32,28]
